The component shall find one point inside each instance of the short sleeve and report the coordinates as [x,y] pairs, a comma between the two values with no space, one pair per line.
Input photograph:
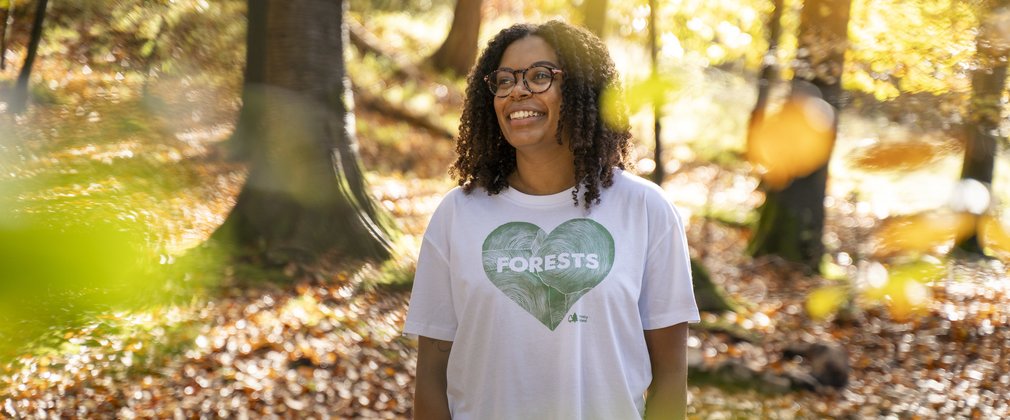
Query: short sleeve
[667,290]
[431,312]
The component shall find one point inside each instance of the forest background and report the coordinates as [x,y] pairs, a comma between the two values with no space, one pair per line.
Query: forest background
[198,216]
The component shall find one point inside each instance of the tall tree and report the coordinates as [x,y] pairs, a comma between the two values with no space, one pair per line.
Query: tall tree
[8,20]
[658,99]
[769,65]
[305,193]
[988,80]
[19,101]
[459,50]
[791,221]
[594,16]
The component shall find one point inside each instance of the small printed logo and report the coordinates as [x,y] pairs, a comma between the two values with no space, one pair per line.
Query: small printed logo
[574,317]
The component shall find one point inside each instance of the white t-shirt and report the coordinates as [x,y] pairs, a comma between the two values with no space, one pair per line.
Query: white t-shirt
[546,302]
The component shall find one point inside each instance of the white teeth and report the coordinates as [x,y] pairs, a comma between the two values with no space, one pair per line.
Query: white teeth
[524,114]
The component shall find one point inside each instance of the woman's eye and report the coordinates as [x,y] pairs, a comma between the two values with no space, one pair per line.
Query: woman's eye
[505,81]
[542,75]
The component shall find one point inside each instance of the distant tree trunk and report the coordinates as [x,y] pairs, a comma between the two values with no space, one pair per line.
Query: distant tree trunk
[19,100]
[305,193]
[594,16]
[8,19]
[985,112]
[459,51]
[769,66]
[791,221]
[658,99]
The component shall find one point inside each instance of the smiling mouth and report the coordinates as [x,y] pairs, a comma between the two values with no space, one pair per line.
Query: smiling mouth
[519,115]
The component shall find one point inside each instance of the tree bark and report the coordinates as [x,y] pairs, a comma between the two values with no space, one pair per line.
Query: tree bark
[791,222]
[19,100]
[769,66]
[988,81]
[8,19]
[250,118]
[658,99]
[459,51]
[594,16]
[305,193]
[709,296]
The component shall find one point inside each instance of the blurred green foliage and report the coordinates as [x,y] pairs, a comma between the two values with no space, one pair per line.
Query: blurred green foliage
[59,272]
[55,271]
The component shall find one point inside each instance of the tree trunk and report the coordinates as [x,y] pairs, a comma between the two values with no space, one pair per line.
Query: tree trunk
[459,51]
[250,118]
[791,222]
[658,98]
[8,19]
[985,112]
[823,39]
[769,67]
[988,82]
[767,76]
[709,296]
[19,101]
[594,16]
[305,193]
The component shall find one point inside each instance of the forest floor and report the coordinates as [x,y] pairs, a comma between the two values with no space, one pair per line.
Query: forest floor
[323,340]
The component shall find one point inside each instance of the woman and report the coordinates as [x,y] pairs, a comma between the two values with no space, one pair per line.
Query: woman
[551,284]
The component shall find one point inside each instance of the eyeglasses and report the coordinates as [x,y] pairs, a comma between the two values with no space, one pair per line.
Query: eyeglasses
[537,79]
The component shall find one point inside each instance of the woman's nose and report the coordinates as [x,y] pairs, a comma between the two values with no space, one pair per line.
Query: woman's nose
[519,91]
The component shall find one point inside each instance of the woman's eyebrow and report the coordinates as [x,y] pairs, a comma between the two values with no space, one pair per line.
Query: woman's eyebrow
[538,63]
[544,62]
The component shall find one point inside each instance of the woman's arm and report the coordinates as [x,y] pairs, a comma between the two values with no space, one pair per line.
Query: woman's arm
[430,400]
[667,396]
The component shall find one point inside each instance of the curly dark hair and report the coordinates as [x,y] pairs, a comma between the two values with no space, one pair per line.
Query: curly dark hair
[599,144]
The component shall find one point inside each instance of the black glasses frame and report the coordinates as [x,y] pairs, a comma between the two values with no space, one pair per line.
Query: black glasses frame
[490,85]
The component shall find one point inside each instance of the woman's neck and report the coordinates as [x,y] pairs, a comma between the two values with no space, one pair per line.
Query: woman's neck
[543,176]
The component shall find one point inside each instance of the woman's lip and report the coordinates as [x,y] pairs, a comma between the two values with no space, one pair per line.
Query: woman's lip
[526,121]
[508,114]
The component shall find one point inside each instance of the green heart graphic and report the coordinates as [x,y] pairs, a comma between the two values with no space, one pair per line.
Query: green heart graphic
[547,273]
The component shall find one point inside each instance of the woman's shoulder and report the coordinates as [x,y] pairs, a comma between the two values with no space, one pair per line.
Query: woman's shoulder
[451,199]
[632,190]
[627,183]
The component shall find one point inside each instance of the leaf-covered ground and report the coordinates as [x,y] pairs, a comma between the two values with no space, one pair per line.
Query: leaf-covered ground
[949,359]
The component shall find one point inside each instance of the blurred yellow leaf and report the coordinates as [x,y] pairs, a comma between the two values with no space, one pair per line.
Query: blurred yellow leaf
[901,155]
[832,271]
[920,271]
[907,297]
[923,232]
[792,142]
[994,236]
[905,291]
[825,301]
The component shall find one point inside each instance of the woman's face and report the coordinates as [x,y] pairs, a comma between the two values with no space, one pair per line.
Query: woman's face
[530,121]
